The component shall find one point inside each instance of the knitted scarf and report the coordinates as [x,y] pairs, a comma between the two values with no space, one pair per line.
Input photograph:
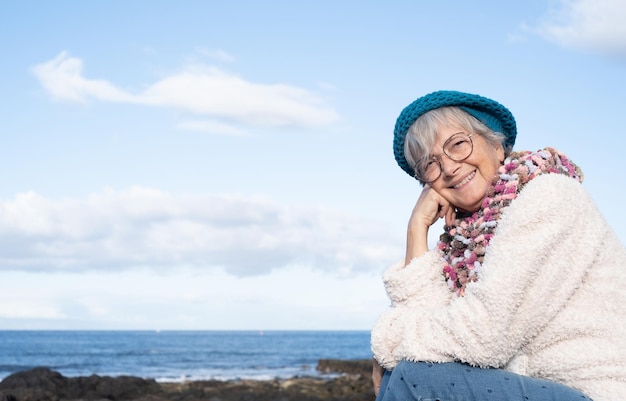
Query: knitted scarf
[463,244]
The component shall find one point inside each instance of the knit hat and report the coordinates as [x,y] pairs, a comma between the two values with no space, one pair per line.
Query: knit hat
[491,113]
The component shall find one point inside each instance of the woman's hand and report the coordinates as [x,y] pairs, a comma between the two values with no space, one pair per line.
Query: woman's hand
[430,207]
[377,375]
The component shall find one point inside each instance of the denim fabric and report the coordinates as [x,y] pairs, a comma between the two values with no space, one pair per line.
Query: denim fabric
[423,381]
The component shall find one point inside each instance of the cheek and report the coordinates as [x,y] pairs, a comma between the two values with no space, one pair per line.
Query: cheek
[490,163]
[494,168]
[488,175]
[497,162]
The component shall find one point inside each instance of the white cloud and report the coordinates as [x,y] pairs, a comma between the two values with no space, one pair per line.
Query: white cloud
[143,227]
[26,309]
[197,89]
[62,77]
[592,25]
[297,298]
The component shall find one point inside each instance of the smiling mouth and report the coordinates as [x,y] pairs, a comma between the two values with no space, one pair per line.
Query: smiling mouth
[465,180]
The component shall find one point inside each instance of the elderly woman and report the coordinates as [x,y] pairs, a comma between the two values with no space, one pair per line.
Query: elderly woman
[524,297]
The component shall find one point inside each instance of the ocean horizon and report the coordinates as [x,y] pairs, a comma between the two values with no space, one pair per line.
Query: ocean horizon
[177,356]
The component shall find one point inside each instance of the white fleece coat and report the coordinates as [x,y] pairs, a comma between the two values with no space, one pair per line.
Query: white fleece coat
[550,301]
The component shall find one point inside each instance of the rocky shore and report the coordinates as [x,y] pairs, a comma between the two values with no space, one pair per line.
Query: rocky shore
[353,383]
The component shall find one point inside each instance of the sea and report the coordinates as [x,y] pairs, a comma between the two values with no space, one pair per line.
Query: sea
[178,356]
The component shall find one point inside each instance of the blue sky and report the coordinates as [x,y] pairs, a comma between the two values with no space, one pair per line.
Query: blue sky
[228,165]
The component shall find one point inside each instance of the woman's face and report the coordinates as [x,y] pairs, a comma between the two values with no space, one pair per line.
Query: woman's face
[464,183]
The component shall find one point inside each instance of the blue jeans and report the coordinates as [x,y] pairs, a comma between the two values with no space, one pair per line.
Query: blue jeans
[422,381]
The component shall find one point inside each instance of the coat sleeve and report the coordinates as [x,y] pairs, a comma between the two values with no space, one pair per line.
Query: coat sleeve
[545,242]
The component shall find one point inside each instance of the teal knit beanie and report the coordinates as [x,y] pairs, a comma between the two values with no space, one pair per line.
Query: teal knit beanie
[491,113]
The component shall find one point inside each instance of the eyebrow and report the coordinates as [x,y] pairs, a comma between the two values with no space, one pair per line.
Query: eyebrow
[447,139]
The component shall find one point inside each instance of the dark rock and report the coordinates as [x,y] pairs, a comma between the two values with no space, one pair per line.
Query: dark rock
[40,384]
[363,366]
[353,383]
[110,388]
[43,384]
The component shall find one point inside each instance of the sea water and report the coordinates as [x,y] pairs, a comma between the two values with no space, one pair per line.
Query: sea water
[170,356]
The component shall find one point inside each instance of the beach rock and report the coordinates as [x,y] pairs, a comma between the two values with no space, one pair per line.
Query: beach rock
[43,384]
[352,383]
[363,366]
[35,384]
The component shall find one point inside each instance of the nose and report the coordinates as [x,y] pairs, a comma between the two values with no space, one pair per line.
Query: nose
[448,166]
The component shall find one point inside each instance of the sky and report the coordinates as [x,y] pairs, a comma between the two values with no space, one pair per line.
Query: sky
[205,165]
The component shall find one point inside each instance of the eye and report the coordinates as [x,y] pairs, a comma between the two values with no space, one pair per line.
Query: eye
[459,141]
[456,143]
[430,164]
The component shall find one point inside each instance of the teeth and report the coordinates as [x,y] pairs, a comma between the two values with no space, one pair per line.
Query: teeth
[469,177]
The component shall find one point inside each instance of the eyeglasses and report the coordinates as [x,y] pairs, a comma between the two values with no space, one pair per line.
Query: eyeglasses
[457,148]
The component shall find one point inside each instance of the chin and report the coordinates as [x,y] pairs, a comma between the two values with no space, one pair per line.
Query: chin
[470,208]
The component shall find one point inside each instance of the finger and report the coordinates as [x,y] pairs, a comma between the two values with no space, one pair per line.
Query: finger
[450,216]
[443,210]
